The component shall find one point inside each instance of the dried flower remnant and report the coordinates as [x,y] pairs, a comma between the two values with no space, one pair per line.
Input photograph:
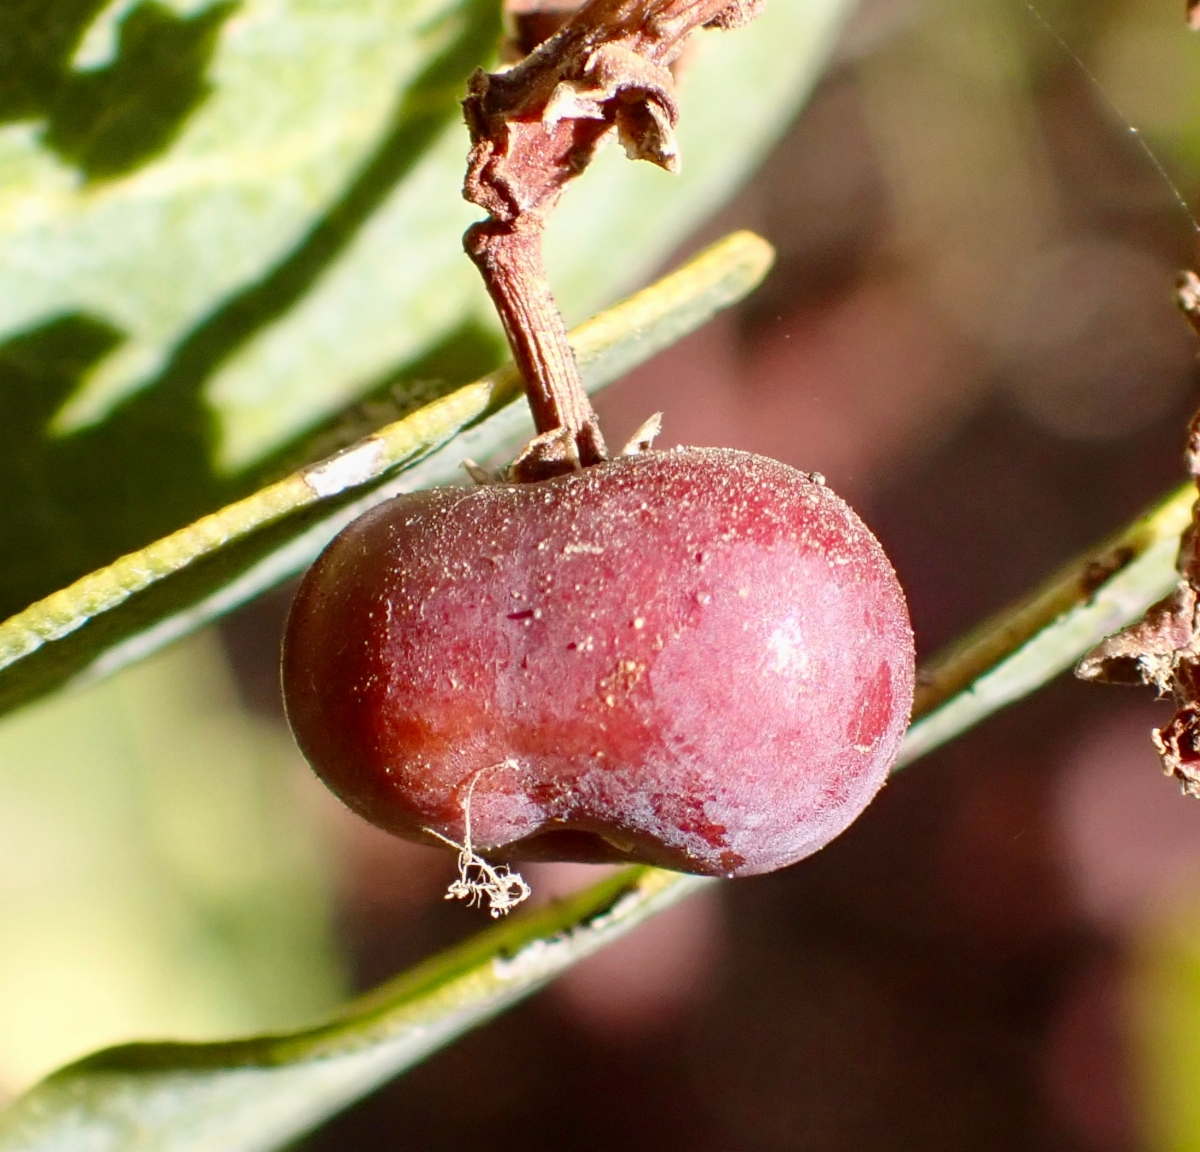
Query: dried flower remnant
[534,128]
[478,880]
[1163,648]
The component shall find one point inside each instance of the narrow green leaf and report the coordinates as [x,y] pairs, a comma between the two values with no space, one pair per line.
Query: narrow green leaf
[156,594]
[254,1095]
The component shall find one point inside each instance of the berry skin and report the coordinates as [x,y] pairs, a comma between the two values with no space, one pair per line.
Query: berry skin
[700,659]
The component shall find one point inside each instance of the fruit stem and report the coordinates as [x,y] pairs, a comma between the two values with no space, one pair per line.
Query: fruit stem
[534,128]
[569,436]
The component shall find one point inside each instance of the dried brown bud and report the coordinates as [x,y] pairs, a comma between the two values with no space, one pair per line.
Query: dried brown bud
[1187,286]
[1149,651]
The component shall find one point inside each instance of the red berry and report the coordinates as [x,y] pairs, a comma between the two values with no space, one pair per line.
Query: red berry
[699,659]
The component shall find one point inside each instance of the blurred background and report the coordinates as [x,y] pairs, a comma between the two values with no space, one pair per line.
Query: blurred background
[970,332]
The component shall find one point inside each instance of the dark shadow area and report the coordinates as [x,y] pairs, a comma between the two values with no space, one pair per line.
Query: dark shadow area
[37,40]
[114,119]
[147,468]
[106,121]
[38,371]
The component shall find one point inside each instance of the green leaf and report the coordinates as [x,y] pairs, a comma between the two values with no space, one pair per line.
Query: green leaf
[156,594]
[220,226]
[250,1095]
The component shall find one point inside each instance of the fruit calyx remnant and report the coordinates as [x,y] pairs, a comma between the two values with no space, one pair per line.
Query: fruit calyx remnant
[534,128]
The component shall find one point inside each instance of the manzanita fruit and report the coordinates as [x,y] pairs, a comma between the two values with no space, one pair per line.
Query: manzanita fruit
[698,658]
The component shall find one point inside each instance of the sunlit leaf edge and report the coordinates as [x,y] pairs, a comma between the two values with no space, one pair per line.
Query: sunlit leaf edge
[1033,640]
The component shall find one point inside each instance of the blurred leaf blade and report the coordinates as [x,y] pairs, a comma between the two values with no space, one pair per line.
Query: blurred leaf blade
[283,243]
[126,610]
[302,120]
[254,1095]
[150,888]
